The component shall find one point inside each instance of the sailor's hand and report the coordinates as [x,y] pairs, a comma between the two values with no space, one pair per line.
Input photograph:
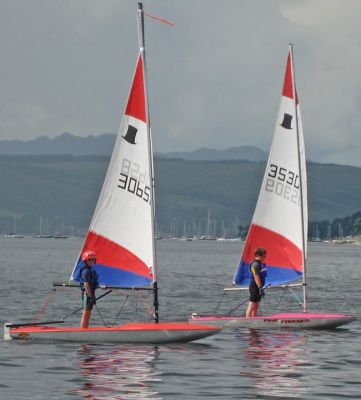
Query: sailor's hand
[261,292]
[93,300]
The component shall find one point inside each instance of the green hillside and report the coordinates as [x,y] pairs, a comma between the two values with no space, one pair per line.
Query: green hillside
[63,190]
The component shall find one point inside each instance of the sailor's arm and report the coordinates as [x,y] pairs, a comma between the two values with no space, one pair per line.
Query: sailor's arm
[88,289]
[258,280]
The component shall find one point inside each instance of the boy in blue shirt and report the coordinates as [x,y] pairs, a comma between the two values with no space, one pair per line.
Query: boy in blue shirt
[88,285]
[258,272]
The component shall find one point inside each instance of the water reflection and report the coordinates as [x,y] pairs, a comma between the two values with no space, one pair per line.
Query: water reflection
[117,372]
[274,361]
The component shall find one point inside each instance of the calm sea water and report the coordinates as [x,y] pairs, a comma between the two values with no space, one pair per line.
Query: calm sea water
[242,364]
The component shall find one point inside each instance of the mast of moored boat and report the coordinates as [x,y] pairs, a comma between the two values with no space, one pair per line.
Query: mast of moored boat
[140,18]
[295,99]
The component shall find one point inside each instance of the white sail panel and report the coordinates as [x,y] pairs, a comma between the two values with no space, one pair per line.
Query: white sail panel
[123,213]
[278,206]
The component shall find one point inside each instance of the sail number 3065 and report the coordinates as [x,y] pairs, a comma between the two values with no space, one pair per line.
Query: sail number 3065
[133,181]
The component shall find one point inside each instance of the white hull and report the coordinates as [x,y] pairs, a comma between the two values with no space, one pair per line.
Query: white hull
[277,321]
[167,332]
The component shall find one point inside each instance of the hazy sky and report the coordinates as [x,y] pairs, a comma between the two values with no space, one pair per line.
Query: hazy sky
[215,79]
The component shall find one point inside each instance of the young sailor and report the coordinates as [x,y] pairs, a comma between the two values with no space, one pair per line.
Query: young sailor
[258,272]
[88,285]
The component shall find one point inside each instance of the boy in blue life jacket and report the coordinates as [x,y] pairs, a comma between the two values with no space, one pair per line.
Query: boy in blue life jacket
[88,285]
[258,272]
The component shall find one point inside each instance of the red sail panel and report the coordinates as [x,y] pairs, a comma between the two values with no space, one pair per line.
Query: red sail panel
[136,103]
[287,85]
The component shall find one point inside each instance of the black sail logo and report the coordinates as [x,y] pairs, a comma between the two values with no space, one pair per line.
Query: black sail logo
[286,123]
[130,135]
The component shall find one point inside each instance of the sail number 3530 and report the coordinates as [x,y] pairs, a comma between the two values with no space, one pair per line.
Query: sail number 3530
[284,175]
[283,182]
[133,181]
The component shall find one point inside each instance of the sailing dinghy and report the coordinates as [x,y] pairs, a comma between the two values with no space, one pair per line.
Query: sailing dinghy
[121,233]
[280,224]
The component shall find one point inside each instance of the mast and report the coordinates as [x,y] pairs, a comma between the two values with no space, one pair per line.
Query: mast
[209,223]
[304,280]
[140,19]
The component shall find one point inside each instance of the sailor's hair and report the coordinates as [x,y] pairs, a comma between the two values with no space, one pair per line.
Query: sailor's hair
[260,251]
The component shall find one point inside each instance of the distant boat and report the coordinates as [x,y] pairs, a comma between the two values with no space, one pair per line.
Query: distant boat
[280,223]
[41,235]
[185,237]
[208,235]
[224,237]
[14,236]
[204,237]
[316,236]
[60,234]
[122,234]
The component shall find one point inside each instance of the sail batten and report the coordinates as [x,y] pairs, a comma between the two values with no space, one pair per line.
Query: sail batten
[279,214]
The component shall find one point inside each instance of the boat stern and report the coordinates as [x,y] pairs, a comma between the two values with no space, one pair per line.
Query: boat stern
[7,335]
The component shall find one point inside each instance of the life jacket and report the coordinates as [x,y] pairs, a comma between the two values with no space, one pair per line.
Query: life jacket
[93,279]
[262,273]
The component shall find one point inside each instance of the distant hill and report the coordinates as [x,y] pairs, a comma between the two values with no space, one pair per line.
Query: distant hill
[250,153]
[63,190]
[68,144]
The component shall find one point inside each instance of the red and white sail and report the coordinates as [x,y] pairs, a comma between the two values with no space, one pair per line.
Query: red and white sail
[279,214]
[120,231]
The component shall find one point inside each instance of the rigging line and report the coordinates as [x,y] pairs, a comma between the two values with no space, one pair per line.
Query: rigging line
[235,308]
[48,300]
[121,309]
[136,306]
[80,308]
[280,299]
[300,303]
[146,305]
[219,303]
[100,315]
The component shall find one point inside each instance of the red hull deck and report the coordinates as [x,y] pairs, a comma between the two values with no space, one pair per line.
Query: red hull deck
[165,332]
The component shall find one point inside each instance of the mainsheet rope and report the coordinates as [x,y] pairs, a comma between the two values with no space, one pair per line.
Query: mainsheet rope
[48,300]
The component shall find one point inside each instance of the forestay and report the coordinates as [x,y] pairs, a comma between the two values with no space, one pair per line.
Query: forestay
[277,220]
[120,231]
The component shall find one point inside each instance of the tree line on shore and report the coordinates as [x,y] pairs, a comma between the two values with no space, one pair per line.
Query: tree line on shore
[58,194]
